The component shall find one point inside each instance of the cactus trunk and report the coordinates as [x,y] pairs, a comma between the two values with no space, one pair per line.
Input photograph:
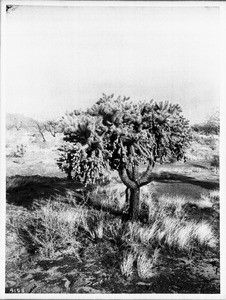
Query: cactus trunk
[134,202]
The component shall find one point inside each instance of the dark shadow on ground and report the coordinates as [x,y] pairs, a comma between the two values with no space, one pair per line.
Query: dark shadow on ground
[62,265]
[166,177]
[25,190]
[183,281]
[200,166]
[181,277]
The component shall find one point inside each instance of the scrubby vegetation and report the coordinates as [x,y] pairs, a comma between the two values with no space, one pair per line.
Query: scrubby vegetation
[58,225]
[66,227]
[210,126]
[65,237]
[204,143]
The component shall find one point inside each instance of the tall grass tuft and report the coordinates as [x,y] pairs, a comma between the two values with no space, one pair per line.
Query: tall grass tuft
[138,259]
[146,264]
[127,265]
[204,235]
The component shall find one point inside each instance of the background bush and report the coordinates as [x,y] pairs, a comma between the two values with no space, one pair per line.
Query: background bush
[210,126]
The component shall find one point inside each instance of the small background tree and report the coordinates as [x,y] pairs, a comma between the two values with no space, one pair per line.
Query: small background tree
[53,127]
[40,127]
[120,135]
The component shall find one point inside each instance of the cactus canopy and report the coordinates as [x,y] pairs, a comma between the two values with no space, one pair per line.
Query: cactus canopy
[119,134]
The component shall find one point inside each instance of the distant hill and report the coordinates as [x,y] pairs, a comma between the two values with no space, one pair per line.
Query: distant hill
[18,121]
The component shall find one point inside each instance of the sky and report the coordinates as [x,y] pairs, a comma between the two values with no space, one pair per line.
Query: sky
[64,58]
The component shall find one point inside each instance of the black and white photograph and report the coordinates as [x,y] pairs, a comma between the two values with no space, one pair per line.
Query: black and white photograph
[110,147]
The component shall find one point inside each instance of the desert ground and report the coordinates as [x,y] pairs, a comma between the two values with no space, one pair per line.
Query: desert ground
[62,237]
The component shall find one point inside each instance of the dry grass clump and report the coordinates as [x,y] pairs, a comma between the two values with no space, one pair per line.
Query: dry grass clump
[181,237]
[211,199]
[113,230]
[187,235]
[166,205]
[14,249]
[171,205]
[205,235]
[205,201]
[56,228]
[172,233]
[109,196]
[146,265]
[214,195]
[51,230]
[175,206]
[138,260]
[127,265]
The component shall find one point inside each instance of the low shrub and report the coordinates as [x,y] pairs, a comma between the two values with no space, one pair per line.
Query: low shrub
[18,152]
[210,126]
[197,151]
[207,140]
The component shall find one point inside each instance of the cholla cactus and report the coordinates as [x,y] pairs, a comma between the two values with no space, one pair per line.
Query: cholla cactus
[121,135]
